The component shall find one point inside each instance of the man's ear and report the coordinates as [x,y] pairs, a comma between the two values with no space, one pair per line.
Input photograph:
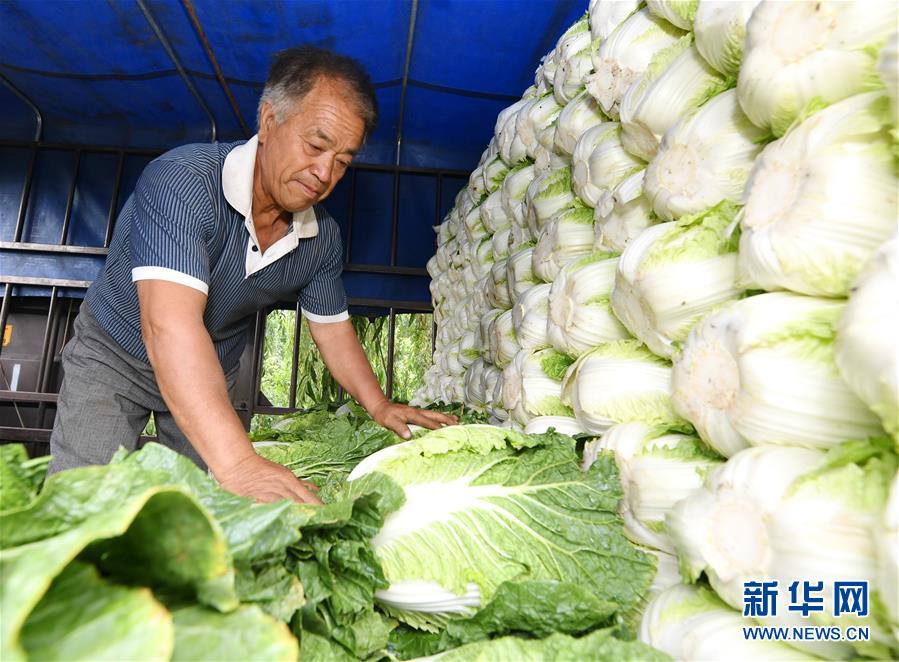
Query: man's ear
[266,120]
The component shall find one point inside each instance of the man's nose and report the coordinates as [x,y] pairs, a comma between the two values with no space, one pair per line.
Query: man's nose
[322,168]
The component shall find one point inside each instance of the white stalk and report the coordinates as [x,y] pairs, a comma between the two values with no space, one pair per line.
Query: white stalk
[580,314]
[809,53]
[600,163]
[671,274]
[821,200]
[761,371]
[720,30]
[677,81]
[704,159]
[629,213]
[624,56]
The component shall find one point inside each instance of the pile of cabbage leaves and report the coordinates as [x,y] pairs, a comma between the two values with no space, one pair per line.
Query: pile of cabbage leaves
[147,558]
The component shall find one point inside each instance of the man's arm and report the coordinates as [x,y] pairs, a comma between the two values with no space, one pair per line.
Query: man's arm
[193,386]
[345,358]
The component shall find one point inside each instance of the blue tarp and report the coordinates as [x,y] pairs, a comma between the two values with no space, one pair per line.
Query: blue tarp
[100,75]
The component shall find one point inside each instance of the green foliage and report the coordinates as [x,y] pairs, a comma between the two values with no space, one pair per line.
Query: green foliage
[149,557]
[321,447]
[315,385]
[20,477]
[512,513]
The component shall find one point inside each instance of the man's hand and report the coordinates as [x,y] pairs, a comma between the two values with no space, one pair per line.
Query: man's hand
[266,481]
[348,364]
[396,417]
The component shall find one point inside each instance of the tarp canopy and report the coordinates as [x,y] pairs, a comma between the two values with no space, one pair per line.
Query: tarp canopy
[100,74]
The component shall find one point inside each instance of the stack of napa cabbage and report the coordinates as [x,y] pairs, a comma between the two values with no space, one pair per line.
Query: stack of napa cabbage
[694,263]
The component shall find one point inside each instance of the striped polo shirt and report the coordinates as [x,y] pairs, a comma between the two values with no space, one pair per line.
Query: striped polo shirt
[189,221]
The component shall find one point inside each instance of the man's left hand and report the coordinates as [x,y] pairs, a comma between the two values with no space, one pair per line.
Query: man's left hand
[397,417]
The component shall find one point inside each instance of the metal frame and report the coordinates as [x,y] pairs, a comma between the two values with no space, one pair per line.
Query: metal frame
[56,326]
[195,20]
[61,310]
[157,30]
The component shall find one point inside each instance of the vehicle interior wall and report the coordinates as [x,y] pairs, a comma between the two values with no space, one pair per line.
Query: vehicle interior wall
[91,91]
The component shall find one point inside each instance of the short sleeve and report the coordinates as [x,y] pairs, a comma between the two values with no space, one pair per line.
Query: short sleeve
[323,299]
[172,214]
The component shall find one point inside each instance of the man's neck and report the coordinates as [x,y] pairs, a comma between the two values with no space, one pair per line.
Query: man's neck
[269,220]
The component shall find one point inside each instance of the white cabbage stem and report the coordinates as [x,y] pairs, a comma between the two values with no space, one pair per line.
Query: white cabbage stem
[886,542]
[605,16]
[620,382]
[677,81]
[866,349]
[720,30]
[600,163]
[504,115]
[492,214]
[474,226]
[476,187]
[487,337]
[547,194]
[528,389]
[543,75]
[629,213]
[622,58]
[498,287]
[821,200]
[761,371]
[468,351]
[482,257]
[667,572]
[548,159]
[505,344]
[494,173]
[573,55]
[512,149]
[513,190]
[497,408]
[657,469]
[577,117]
[569,235]
[671,274]
[704,159]
[475,394]
[500,244]
[802,53]
[676,12]
[580,314]
[535,117]
[520,237]
[529,315]
[691,623]
[520,275]
[888,68]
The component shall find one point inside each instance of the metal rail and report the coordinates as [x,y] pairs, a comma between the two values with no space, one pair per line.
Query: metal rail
[404,85]
[192,13]
[157,30]
[39,403]
[38,116]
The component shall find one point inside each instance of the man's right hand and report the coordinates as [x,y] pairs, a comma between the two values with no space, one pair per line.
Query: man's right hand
[265,481]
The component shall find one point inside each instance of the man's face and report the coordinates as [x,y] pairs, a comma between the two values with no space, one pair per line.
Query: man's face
[302,159]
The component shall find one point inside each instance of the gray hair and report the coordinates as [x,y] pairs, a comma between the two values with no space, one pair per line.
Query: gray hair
[295,71]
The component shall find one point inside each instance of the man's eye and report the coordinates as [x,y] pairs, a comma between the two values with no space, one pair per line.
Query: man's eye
[343,163]
[315,148]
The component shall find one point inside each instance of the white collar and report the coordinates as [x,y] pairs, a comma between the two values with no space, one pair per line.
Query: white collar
[237,185]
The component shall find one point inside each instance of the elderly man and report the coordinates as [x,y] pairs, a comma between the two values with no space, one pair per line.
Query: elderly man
[212,234]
